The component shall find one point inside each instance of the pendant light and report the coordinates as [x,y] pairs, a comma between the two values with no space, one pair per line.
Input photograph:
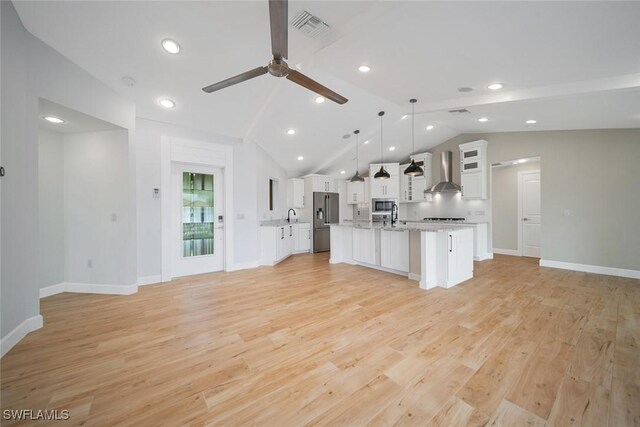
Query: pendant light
[413,169]
[357,177]
[382,173]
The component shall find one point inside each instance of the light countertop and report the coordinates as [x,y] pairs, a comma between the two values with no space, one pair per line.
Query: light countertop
[280,223]
[411,226]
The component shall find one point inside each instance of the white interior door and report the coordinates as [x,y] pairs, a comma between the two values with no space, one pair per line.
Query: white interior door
[197,226]
[530,213]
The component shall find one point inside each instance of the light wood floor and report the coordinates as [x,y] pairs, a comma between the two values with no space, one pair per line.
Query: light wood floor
[306,342]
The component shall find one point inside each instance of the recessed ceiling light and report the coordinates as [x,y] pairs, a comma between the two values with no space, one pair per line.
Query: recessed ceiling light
[483,119]
[320,99]
[300,158]
[343,172]
[171,46]
[366,142]
[404,117]
[392,148]
[495,86]
[531,122]
[53,119]
[364,68]
[166,102]
[522,160]
[291,132]
[429,127]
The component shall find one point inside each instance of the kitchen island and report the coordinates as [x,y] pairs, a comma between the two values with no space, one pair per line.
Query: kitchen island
[433,254]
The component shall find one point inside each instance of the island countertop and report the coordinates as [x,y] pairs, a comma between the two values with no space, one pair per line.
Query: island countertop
[413,226]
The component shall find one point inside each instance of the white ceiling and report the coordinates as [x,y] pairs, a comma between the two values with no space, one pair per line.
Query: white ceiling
[74,121]
[569,65]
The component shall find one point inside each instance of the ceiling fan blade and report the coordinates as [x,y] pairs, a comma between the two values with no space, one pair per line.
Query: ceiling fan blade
[236,79]
[314,86]
[278,16]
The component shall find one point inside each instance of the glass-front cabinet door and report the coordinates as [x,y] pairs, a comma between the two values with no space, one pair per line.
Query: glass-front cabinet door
[198,214]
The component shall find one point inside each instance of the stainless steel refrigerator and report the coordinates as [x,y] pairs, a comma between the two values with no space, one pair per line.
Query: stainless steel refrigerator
[326,208]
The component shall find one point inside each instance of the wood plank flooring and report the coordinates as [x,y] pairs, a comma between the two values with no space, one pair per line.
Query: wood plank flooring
[308,343]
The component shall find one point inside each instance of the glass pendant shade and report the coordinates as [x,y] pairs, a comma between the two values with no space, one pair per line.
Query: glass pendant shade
[413,169]
[382,174]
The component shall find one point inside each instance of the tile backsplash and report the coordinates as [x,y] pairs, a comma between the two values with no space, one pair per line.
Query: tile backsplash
[361,212]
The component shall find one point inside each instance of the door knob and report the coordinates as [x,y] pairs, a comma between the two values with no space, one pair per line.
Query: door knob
[525,219]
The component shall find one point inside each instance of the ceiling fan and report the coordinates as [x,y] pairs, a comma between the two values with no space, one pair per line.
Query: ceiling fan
[278,16]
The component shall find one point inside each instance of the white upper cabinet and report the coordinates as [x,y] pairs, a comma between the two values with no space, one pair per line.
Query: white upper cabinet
[358,192]
[385,188]
[474,170]
[296,193]
[321,183]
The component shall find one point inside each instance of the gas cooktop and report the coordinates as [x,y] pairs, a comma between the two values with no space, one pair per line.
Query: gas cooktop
[443,219]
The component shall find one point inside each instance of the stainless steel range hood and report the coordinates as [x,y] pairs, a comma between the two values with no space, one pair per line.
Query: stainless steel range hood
[446,184]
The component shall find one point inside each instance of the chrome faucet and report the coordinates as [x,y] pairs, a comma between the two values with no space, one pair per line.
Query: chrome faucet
[289,213]
[394,207]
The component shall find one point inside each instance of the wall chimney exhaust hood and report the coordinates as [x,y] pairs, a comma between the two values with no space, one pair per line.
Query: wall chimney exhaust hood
[446,184]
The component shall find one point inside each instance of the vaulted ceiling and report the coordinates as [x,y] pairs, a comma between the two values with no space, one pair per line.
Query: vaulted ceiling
[567,65]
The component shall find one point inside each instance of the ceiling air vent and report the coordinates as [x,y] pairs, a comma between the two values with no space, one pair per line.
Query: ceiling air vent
[309,24]
[460,111]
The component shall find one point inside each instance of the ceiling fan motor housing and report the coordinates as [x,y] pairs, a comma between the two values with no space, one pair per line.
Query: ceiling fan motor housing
[278,68]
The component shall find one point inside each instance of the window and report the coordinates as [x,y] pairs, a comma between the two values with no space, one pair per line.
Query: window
[197,214]
[273,194]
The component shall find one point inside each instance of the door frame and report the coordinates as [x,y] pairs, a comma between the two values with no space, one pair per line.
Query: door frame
[520,191]
[198,153]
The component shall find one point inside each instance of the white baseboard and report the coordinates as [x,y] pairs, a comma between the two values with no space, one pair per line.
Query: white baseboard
[586,268]
[512,252]
[487,255]
[244,265]
[20,331]
[414,276]
[52,290]
[88,288]
[149,280]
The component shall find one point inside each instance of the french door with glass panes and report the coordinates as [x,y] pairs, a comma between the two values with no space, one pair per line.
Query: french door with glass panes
[197,226]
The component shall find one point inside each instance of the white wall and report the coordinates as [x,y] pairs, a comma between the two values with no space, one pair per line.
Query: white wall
[252,169]
[31,69]
[267,168]
[51,208]
[96,214]
[504,203]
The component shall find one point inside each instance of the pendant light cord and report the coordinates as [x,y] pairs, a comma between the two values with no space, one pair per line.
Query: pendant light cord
[381,113]
[413,126]
[357,159]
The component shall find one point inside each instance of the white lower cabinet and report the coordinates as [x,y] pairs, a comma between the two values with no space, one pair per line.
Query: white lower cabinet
[394,249]
[459,256]
[302,238]
[365,246]
[278,242]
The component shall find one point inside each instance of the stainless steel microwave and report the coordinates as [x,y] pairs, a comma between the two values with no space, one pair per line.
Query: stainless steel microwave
[379,206]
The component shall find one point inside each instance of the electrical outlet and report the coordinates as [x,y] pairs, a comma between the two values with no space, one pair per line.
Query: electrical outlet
[566,212]
[240,216]
[156,193]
